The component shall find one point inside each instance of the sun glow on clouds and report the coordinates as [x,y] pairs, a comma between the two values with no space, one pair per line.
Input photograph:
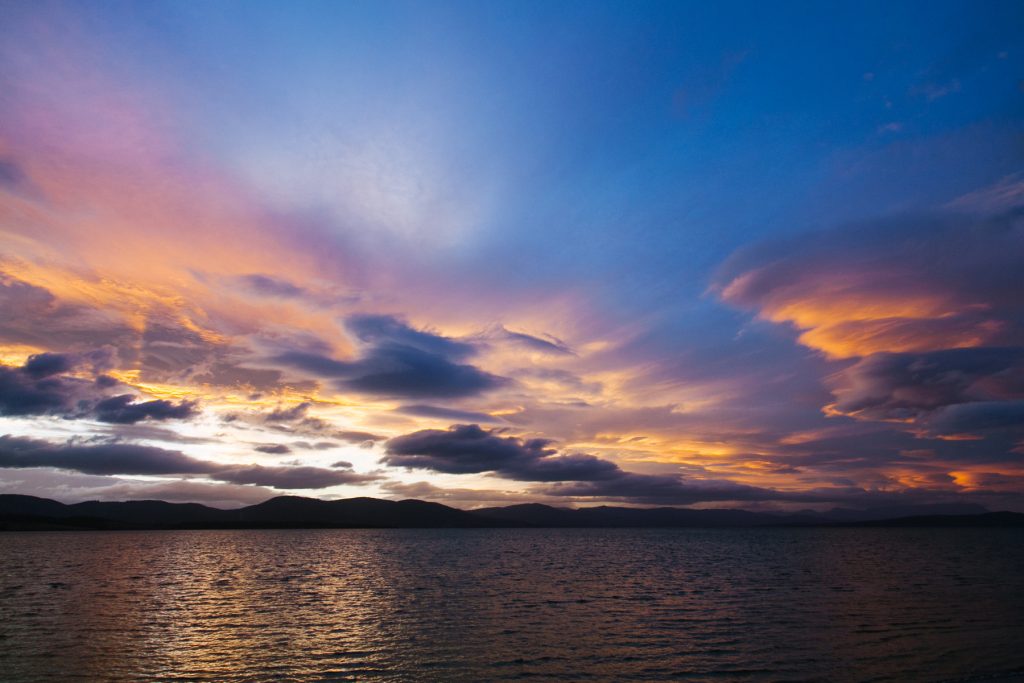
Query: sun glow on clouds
[845,316]
[320,290]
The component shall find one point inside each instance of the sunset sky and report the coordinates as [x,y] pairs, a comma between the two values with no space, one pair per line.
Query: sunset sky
[758,255]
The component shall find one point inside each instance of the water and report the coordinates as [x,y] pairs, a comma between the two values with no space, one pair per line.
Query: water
[482,605]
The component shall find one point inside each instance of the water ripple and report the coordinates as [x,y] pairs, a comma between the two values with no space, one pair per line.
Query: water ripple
[472,605]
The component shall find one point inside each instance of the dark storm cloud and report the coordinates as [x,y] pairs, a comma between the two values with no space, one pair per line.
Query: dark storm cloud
[34,390]
[292,414]
[273,448]
[315,364]
[979,417]
[38,388]
[406,371]
[397,360]
[424,410]
[46,364]
[902,386]
[102,459]
[131,459]
[386,329]
[466,449]
[20,396]
[122,410]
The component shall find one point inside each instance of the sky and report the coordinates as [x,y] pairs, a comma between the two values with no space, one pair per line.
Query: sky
[758,255]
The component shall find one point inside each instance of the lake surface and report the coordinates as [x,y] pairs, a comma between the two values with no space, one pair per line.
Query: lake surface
[544,604]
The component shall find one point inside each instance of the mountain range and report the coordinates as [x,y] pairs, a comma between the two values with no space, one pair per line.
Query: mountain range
[20,512]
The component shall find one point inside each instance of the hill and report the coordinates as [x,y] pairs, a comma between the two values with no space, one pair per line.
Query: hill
[18,512]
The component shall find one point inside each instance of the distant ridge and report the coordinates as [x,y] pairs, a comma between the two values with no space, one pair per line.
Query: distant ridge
[28,513]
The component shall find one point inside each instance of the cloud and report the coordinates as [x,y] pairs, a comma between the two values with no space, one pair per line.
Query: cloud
[459,497]
[353,436]
[132,459]
[902,285]
[266,285]
[423,410]
[562,379]
[38,388]
[464,449]
[669,490]
[925,311]
[292,414]
[225,373]
[1004,195]
[273,448]
[122,410]
[33,390]
[21,300]
[468,449]
[397,360]
[387,329]
[906,386]
[20,452]
[45,364]
[291,477]
[147,431]
[184,491]
[546,344]
[979,417]
[300,422]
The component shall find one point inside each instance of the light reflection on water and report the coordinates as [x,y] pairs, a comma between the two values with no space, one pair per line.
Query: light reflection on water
[477,605]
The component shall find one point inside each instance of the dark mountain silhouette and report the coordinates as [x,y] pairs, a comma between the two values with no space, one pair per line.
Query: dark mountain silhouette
[25,512]
[358,512]
[18,512]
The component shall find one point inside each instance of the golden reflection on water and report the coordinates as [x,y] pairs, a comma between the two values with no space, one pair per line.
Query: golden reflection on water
[500,604]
